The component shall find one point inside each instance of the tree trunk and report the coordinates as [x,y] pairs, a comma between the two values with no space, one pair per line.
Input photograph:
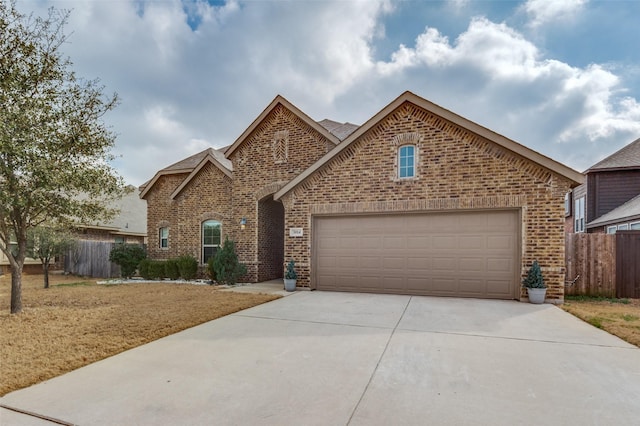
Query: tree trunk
[45,270]
[16,290]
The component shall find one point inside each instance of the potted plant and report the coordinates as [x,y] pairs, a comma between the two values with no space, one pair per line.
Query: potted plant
[534,283]
[290,277]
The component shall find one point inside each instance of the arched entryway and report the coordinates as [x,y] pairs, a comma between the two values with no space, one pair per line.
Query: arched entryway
[270,239]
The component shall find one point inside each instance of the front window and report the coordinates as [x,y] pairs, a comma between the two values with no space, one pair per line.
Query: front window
[634,225]
[611,229]
[406,162]
[164,237]
[623,227]
[579,215]
[211,231]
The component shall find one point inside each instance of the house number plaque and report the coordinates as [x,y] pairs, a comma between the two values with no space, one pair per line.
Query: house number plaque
[295,232]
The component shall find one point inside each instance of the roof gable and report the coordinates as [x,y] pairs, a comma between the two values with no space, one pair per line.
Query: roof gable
[187,165]
[475,128]
[279,100]
[206,160]
[628,157]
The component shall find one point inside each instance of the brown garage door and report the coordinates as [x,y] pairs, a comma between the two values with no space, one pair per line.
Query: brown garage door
[470,254]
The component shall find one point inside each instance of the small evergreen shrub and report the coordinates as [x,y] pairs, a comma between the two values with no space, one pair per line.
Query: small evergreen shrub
[226,266]
[534,277]
[128,257]
[171,269]
[211,271]
[188,267]
[291,271]
[143,268]
[157,269]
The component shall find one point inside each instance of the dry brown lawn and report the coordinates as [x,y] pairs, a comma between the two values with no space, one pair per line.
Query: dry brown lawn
[619,317]
[77,322]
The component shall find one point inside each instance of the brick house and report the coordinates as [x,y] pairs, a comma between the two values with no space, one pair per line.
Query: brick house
[608,200]
[417,200]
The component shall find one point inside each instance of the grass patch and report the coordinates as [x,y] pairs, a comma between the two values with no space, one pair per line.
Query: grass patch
[624,301]
[77,322]
[78,284]
[620,317]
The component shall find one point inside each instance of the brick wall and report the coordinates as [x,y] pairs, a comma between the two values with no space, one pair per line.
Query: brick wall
[206,197]
[279,149]
[455,170]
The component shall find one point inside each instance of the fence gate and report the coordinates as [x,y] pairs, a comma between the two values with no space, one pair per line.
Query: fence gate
[628,264]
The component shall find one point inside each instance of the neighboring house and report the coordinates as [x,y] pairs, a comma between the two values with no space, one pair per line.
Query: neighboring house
[129,226]
[418,200]
[597,204]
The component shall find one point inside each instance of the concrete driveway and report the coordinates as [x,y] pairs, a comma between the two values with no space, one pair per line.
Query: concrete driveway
[320,358]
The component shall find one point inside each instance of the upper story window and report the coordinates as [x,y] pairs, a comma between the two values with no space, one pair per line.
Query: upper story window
[407,161]
[211,232]
[578,217]
[567,204]
[163,236]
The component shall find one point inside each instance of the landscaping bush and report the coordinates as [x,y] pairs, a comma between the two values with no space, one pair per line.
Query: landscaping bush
[171,269]
[188,267]
[143,269]
[157,269]
[226,265]
[211,271]
[128,257]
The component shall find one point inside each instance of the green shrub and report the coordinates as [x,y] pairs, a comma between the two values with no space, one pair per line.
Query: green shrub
[534,277]
[171,269]
[211,271]
[157,269]
[226,265]
[291,271]
[128,257]
[188,267]
[143,269]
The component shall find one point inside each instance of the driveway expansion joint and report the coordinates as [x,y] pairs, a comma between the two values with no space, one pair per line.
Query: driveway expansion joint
[36,415]
[316,322]
[373,373]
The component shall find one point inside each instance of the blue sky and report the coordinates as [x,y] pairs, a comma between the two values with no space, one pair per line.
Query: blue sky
[559,76]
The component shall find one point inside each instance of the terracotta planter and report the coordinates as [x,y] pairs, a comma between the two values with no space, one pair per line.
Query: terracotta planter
[536,295]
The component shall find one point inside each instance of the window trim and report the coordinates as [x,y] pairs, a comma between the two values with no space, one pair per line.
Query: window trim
[633,226]
[623,227]
[610,228]
[411,166]
[568,204]
[579,214]
[163,237]
[202,237]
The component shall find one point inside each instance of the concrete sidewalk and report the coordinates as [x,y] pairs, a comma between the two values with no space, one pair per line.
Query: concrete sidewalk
[343,358]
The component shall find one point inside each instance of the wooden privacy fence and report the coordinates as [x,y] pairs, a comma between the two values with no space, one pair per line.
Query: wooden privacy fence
[628,264]
[603,264]
[91,259]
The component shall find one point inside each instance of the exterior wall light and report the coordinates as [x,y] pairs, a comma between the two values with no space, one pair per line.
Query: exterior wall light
[243,223]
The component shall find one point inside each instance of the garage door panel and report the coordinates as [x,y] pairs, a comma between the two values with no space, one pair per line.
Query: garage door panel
[469,254]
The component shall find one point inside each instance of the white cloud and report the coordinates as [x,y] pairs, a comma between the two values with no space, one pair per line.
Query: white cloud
[543,12]
[192,75]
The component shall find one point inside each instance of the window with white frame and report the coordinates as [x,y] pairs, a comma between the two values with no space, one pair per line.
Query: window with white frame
[211,232]
[163,236]
[634,226]
[407,161]
[567,204]
[611,229]
[578,212]
[623,227]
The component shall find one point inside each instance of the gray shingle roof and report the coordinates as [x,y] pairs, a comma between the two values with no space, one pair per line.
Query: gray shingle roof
[627,157]
[339,130]
[627,211]
[191,162]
